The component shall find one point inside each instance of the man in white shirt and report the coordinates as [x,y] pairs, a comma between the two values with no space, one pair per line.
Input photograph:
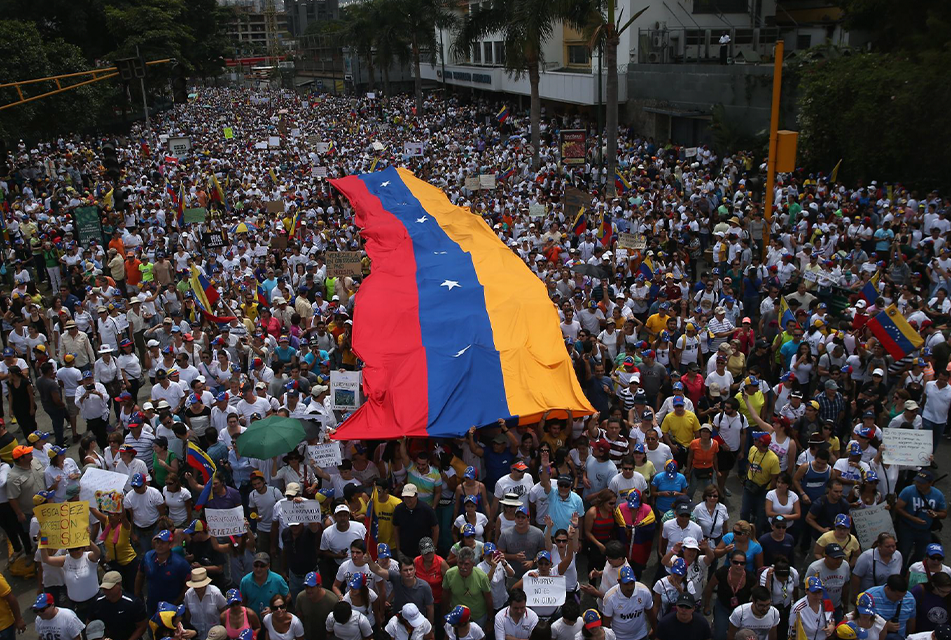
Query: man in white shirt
[937,400]
[165,389]
[516,482]
[93,403]
[680,529]
[146,504]
[515,620]
[758,615]
[628,607]
[344,623]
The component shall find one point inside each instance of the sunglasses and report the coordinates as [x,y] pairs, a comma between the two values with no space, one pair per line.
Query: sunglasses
[738,562]
[562,541]
[260,565]
[739,532]
[779,526]
[280,607]
[685,607]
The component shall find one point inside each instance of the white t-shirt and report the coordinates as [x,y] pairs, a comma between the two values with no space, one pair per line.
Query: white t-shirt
[521,488]
[784,509]
[348,569]
[296,630]
[476,632]
[712,525]
[561,630]
[937,402]
[622,486]
[176,504]
[144,506]
[65,625]
[356,628]
[628,617]
[82,580]
[744,618]
[673,534]
[398,631]
[333,539]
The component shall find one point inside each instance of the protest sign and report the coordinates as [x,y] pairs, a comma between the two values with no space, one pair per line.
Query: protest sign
[545,591]
[344,263]
[304,512]
[214,239]
[179,146]
[472,183]
[690,152]
[319,172]
[413,148]
[279,242]
[225,522]
[197,214]
[274,206]
[321,147]
[378,146]
[909,447]
[295,133]
[371,95]
[487,182]
[63,525]
[344,390]
[536,210]
[633,241]
[324,455]
[88,226]
[274,142]
[574,200]
[870,522]
[260,145]
[229,133]
[573,146]
[94,480]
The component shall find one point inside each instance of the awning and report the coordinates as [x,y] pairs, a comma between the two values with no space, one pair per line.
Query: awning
[679,113]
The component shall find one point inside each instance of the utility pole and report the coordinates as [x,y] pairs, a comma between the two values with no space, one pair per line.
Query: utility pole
[773,143]
[145,102]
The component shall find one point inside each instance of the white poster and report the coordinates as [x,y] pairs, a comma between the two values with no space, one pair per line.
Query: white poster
[344,390]
[304,512]
[322,147]
[378,146]
[319,172]
[870,522]
[94,480]
[295,133]
[326,455]
[413,148]
[274,142]
[225,522]
[260,145]
[179,146]
[907,447]
[486,181]
[371,95]
[536,210]
[472,183]
[545,592]
[690,152]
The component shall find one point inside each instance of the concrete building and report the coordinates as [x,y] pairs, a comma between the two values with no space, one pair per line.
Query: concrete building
[303,13]
[248,31]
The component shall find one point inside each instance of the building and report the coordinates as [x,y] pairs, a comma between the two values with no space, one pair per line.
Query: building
[303,13]
[669,72]
[247,27]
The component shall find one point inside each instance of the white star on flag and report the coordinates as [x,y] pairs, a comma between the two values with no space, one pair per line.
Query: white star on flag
[421,220]
[450,284]
[440,253]
[385,184]
[462,351]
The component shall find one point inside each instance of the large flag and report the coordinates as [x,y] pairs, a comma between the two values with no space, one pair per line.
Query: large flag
[206,297]
[446,344]
[605,230]
[508,173]
[180,207]
[502,115]
[580,224]
[893,331]
[785,315]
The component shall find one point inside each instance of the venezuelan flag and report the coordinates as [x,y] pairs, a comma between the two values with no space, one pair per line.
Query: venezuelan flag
[785,314]
[206,297]
[605,230]
[261,296]
[621,183]
[200,461]
[502,115]
[580,225]
[870,290]
[180,207]
[508,173]
[372,524]
[893,331]
[446,343]
[647,268]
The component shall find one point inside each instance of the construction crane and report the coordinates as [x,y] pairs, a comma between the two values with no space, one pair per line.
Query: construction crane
[270,30]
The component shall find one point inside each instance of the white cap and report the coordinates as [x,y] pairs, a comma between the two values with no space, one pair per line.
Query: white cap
[146,406]
[878,372]
[412,615]
[342,507]
[691,543]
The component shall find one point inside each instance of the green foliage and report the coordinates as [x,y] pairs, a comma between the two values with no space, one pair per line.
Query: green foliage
[922,25]
[884,114]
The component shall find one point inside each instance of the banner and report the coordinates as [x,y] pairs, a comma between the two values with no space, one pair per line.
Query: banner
[229,133]
[179,146]
[324,455]
[870,522]
[344,390]
[537,210]
[303,512]
[907,447]
[318,172]
[413,149]
[633,241]
[198,214]
[472,183]
[94,480]
[690,152]
[260,145]
[544,591]
[63,525]
[87,225]
[344,263]
[214,239]
[573,146]
[225,522]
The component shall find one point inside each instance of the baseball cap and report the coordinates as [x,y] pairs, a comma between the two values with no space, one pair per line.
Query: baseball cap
[42,601]
[164,535]
[850,631]
[459,615]
[685,600]
[763,437]
[234,596]
[834,550]
[261,556]
[137,480]
[865,604]
[520,466]
[196,526]
[383,550]
[426,545]
[843,520]
[626,575]
[409,490]
[591,619]
[923,475]
[95,630]
[934,550]
[813,584]
[312,579]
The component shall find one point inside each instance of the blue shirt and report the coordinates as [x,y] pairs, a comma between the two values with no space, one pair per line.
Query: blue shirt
[259,596]
[663,482]
[240,468]
[905,608]
[787,351]
[560,510]
[753,549]
[285,355]
[916,504]
[166,580]
[229,500]
[496,464]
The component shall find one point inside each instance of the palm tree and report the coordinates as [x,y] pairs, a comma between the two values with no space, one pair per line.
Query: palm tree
[608,30]
[417,20]
[359,32]
[391,42]
[525,25]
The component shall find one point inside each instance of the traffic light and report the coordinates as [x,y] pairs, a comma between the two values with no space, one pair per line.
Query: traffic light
[179,84]
[126,72]
[138,67]
[118,199]
[110,160]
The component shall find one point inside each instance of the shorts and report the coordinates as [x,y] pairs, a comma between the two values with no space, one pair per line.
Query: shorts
[72,409]
[726,460]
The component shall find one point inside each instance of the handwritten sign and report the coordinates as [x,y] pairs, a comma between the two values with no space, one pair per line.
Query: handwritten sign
[633,241]
[214,239]
[303,512]
[472,183]
[198,214]
[690,152]
[321,147]
[94,480]
[274,206]
[344,390]
[63,525]
[225,522]
[487,181]
[545,591]
[870,522]
[229,133]
[319,172]
[274,142]
[324,455]
[344,263]
[536,210]
[413,149]
[909,447]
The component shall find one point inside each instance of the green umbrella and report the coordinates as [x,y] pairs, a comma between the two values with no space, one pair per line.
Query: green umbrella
[271,437]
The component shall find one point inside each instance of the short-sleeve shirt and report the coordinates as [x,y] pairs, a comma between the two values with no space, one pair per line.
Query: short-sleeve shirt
[744,618]
[763,466]
[65,625]
[258,596]
[467,591]
[703,459]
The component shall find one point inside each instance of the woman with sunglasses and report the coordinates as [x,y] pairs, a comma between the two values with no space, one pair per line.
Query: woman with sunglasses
[599,525]
[742,540]
[280,623]
[865,493]
[782,501]
[470,516]
[294,470]
[731,583]
[712,515]
[471,487]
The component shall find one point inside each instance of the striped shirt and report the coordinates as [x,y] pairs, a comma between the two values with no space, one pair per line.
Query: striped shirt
[428,485]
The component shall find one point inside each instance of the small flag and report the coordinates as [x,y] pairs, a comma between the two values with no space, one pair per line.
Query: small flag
[180,213]
[897,336]
[508,173]
[229,133]
[171,160]
[580,225]
[835,172]
[621,183]
[206,297]
[144,146]
[261,296]
[647,268]
[376,161]
[784,313]
[294,222]
[372,524]
[605,231]
[199,460]
[205,494]
[870,290]
[502,115]
[273,175]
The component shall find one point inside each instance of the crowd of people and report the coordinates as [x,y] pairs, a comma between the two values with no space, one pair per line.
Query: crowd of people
[740,395]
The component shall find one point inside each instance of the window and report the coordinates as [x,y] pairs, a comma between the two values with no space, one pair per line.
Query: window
[499,53]
[487,52]
[578,54]
[477,54]
[803,40]
[720,6]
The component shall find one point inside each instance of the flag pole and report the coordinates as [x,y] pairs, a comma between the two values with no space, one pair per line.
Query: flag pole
[773,138]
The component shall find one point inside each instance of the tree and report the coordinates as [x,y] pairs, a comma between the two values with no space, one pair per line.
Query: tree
[525,25]
[360,33]
[418,21]
[391,42]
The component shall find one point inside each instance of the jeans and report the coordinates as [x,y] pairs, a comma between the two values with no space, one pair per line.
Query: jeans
[696,482]
[937,430]
[721,620]
[58,419]
[909,537]
[295,583]
[754,506]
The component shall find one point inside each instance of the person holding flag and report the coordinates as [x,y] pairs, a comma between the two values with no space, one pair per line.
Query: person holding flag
[198,460]
[812,617]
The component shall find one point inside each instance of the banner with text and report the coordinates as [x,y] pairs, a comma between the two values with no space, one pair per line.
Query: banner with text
[344,390]
[63,525]
[907,447]
[225,522]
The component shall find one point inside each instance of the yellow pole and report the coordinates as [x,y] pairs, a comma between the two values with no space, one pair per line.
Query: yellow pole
[773,135]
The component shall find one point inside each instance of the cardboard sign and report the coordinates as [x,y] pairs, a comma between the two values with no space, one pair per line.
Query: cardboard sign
[344,263]
[179,146]
[214,239]
[690,152]
[260,145]
[63,525]
[324,455]
[274,142]
[344,390]
[94,480]
[295,133]
[321,147]
[229,133]
[319,172]
[413,149]
[487,182]
[574,200]
[378,146]
[274,206]
[870,522]
[302,512]
[88,226]
[908,447]
[225,522]
[544,592]
[198,215]
[633,241]
[472,183]
[279,242]
[537,210]
[573,146]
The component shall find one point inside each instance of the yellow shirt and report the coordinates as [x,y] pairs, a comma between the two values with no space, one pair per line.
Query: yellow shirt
[119,548]
[655,324]
[683,428]
[6,615]
[763,466]
[852,546]
[384,514]
[757,400]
